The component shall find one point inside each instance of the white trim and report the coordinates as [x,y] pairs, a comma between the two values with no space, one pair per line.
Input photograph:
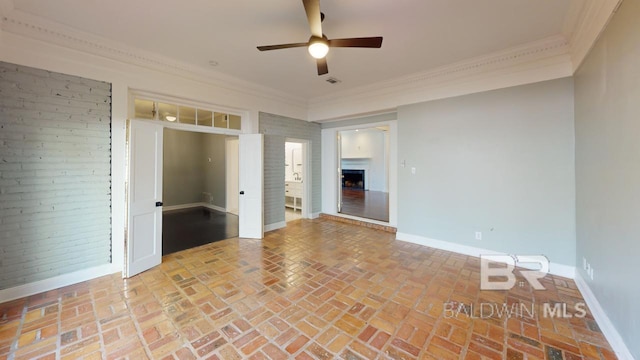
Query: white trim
[21,23]
[315,215]
[554,268]
[593,20]
[56,282]
[536,61]
[193,205]
[275,226]
[330,166]
[605,324]
[181,206]
[214,207]
[361,219]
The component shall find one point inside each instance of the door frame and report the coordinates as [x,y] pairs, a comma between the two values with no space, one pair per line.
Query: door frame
[228,190]
[330,166]
[306,175]
[129,143]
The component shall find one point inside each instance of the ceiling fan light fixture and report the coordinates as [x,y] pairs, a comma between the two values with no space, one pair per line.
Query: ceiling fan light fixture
[170,118]
[318,49]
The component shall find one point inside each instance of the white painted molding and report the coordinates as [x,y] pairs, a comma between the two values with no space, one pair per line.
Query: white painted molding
[605,324]
[180,207]
[35,27]
[214,207]
[533,62]
[361,219]
[275,226]
[193,205]
[554,268]
[595,17]
[56,282]
[315,215]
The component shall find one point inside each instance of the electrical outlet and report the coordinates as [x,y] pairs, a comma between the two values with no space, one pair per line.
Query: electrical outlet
[478,235]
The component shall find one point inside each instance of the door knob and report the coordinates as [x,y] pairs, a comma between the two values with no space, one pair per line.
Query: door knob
[158,203]
[242,192]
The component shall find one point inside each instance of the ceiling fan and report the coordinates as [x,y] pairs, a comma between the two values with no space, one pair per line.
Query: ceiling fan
[318,44]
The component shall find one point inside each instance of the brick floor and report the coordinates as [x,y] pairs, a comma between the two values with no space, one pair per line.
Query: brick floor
[315,290]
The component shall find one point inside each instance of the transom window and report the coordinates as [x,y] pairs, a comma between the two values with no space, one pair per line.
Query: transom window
[162,111]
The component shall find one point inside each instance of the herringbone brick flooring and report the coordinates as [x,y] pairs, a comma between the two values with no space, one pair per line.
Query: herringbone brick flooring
[315,290]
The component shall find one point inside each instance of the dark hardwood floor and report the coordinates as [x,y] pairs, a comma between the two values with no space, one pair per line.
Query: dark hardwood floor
[365,204]
[188,228]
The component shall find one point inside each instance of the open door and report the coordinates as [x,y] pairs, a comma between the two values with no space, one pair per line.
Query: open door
[251,165]
[339,179]
[144,248]
[232,188]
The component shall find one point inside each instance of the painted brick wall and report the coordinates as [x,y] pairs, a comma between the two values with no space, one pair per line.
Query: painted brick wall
[276,129]
[55,174]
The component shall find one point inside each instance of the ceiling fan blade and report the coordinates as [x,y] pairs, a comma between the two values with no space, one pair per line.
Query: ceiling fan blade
[322,66]
[312,8]
[281,46]
[366,42]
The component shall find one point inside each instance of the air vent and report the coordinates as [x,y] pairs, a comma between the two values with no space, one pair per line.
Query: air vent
[333,81]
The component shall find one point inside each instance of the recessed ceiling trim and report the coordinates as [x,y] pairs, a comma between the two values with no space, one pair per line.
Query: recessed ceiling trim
[594,19]
[548,58]
[34,27]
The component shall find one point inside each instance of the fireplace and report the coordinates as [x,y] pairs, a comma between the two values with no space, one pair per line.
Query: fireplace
[353,179]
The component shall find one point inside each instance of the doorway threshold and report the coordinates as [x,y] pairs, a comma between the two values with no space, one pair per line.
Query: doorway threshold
[372,224]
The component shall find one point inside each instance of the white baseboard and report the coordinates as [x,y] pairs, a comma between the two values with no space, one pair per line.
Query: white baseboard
[214,207]
[56,282]
[554,268]
[275,226]
[315,215]
[605,324]
[193,205]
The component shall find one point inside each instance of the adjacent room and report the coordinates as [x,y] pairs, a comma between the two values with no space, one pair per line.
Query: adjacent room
[364,177]
[317,179]
[294,180]
[195,190]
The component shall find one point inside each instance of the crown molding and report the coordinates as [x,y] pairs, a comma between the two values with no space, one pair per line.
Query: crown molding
[34,27]
[549,58]
[536,61]
[593,20]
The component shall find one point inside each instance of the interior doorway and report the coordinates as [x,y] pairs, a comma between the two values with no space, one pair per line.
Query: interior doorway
[297,179]
[144,195]
[198,178]
[363,178]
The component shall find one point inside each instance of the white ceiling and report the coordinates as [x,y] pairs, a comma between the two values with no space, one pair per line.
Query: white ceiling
[418,34]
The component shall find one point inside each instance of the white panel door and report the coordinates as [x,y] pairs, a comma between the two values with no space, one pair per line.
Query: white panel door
[251,180]
[339,154]
[144,248]
[232,176]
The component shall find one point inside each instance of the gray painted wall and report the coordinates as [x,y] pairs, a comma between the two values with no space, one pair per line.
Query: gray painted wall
[55,174]
[276,129]
[187,172]
[215,181]
[500,162]
[182,172]
[607,110]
